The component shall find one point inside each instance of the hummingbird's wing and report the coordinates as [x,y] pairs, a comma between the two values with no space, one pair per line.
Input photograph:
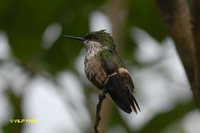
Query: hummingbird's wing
[119,85]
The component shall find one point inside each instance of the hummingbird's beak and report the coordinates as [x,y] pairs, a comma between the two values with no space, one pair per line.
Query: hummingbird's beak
[74,37]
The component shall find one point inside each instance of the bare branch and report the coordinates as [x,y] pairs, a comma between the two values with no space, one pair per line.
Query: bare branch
[196,31]
[102,96]
[176,14]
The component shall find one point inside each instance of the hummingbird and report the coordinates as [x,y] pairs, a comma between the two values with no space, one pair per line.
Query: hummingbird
[106,70]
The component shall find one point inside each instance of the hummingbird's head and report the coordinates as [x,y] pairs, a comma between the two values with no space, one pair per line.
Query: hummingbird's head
[100,38]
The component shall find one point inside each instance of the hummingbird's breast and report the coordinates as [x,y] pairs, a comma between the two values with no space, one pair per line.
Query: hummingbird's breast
[94,72]
[93,68]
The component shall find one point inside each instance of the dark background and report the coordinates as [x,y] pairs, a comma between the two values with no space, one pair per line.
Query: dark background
[42,77]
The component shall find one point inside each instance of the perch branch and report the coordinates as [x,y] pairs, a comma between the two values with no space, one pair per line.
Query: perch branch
[102,96]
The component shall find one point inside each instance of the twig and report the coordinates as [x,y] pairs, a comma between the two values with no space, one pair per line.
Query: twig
[102,96]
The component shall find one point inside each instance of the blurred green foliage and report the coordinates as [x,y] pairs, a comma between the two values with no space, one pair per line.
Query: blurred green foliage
[25,22]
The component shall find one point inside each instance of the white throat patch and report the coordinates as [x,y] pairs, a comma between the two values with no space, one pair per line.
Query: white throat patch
[92,48]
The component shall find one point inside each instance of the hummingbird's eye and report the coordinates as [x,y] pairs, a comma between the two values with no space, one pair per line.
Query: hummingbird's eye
[92,37]
[88,37]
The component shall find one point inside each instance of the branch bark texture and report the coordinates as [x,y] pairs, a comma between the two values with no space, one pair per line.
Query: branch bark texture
[196,31]
[176,14]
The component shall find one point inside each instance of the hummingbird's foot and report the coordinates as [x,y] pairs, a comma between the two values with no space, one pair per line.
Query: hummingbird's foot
[102,96]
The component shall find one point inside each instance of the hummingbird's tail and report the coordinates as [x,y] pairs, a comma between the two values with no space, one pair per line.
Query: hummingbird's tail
[122,94]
